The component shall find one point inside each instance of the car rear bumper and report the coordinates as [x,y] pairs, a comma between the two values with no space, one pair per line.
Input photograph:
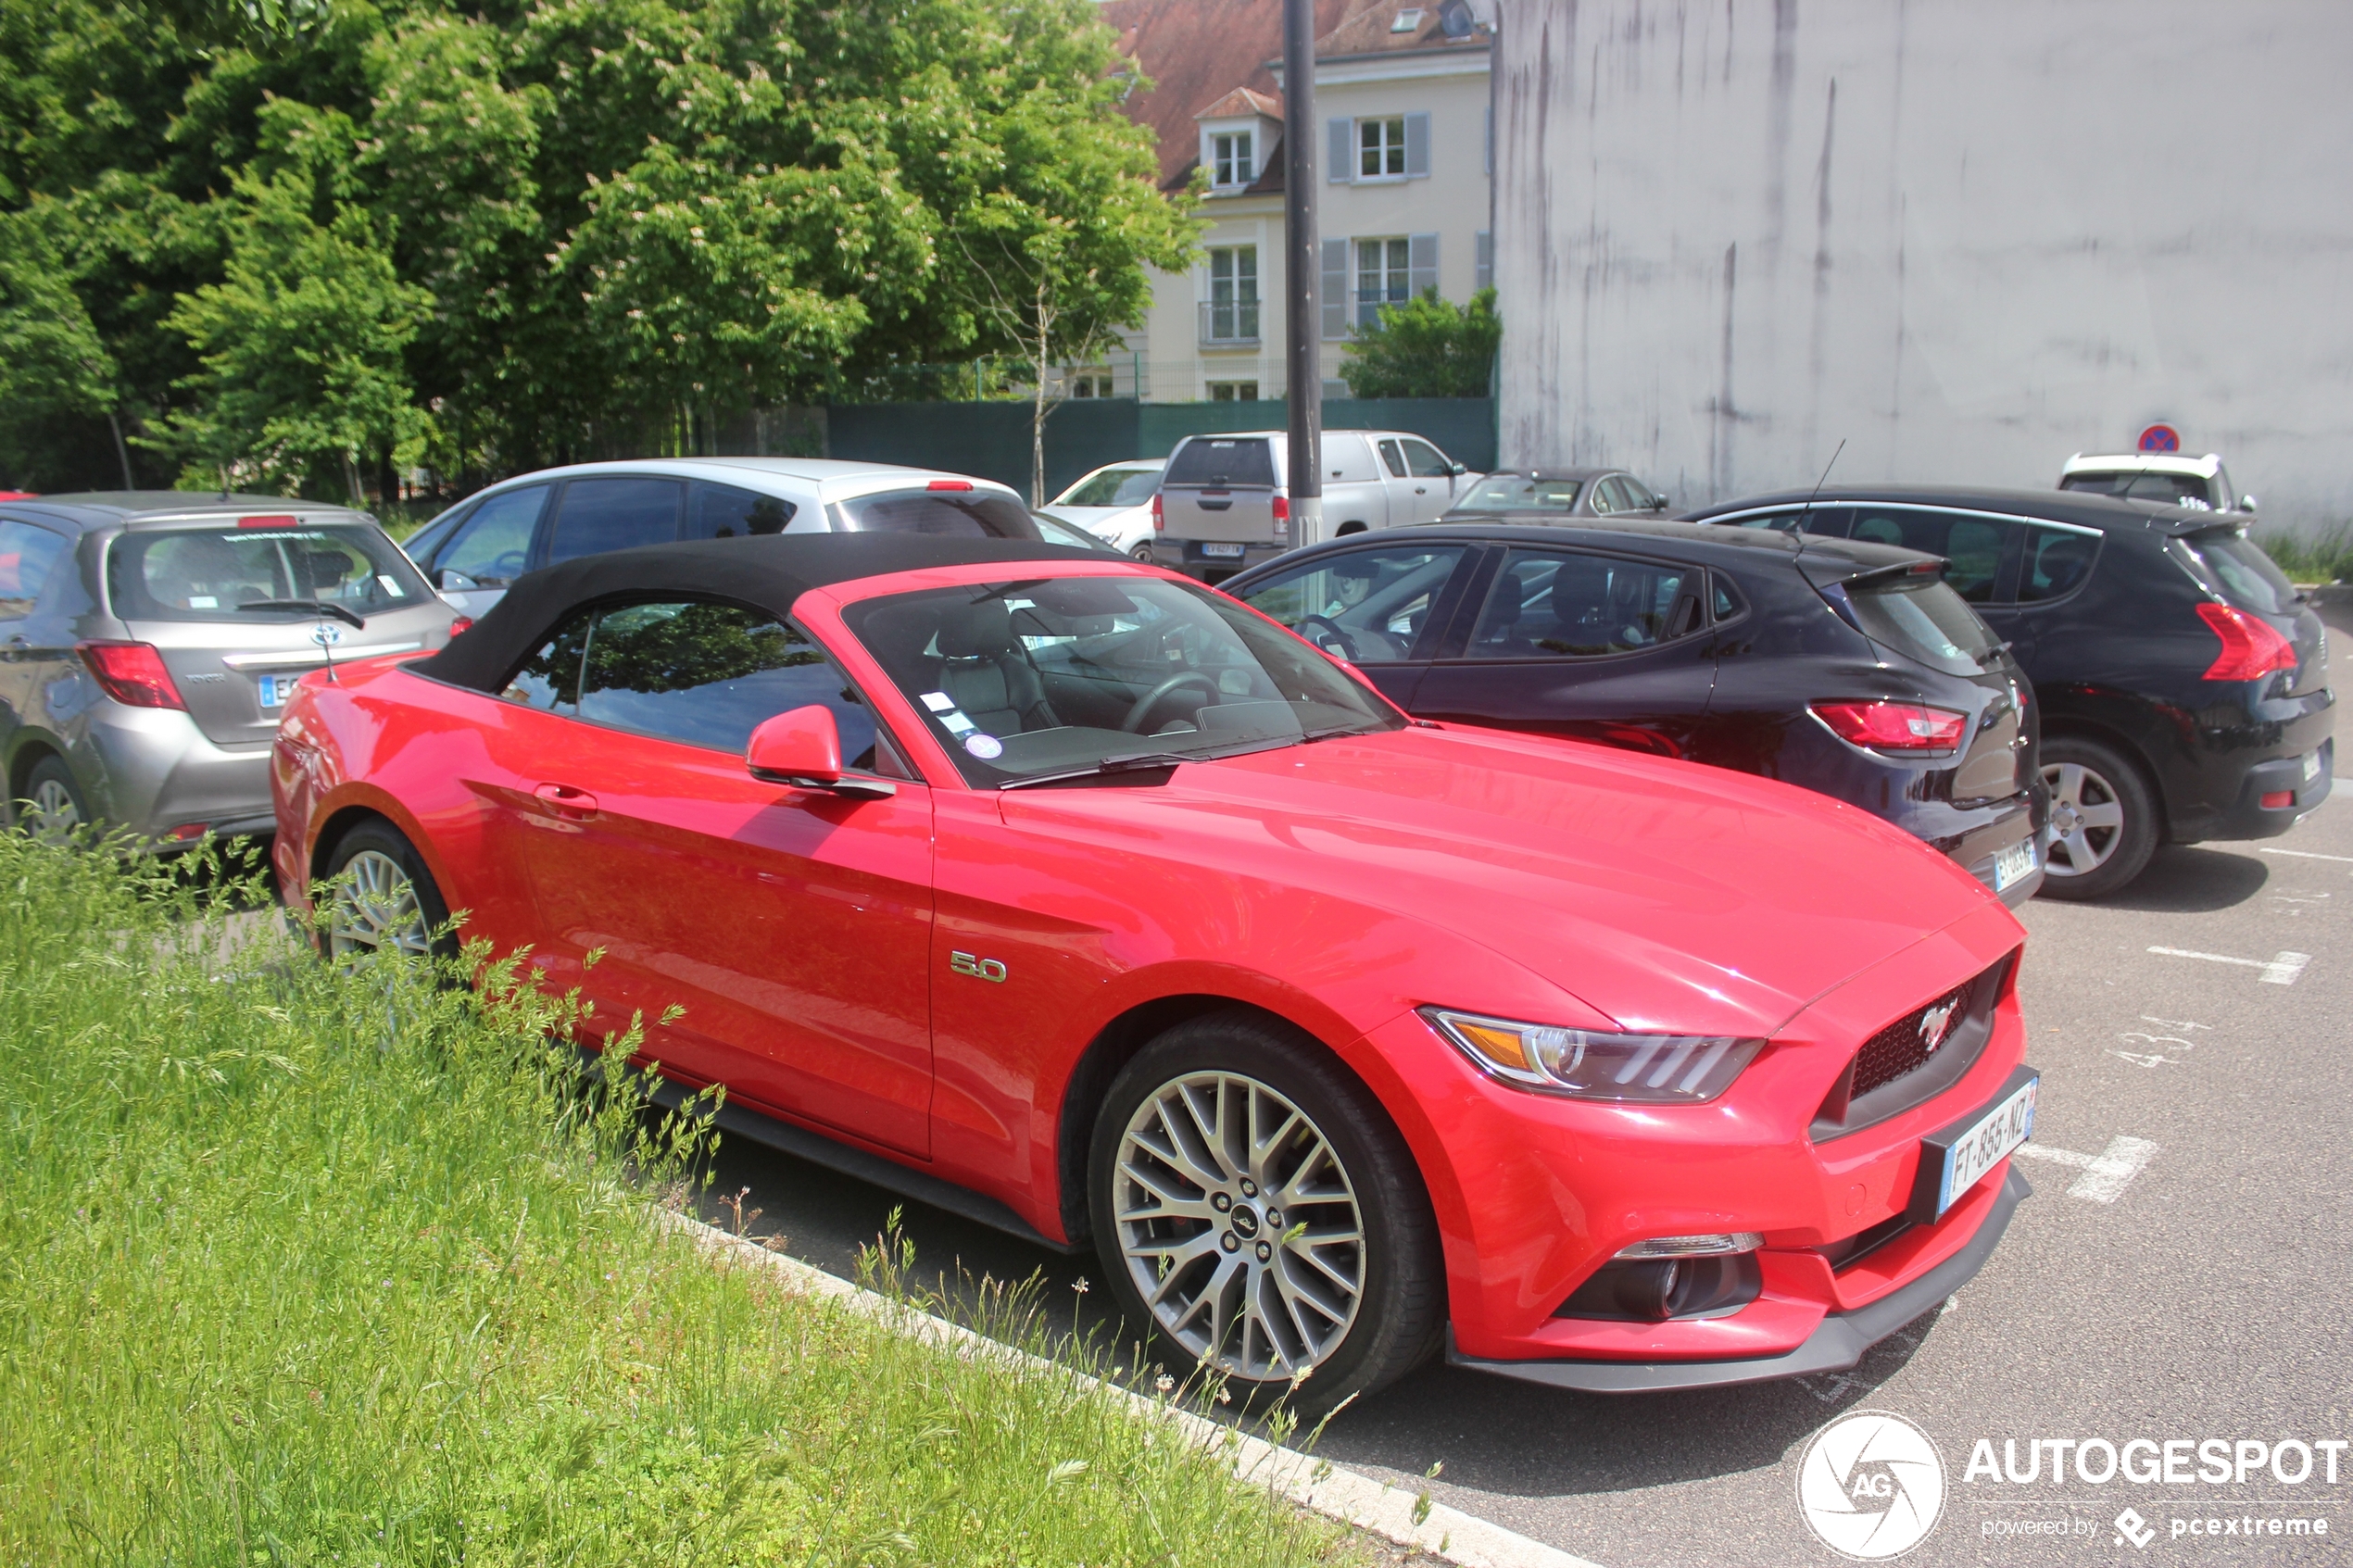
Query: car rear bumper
[1837,1344]
[2250,817]
[1191,558]
[153,770]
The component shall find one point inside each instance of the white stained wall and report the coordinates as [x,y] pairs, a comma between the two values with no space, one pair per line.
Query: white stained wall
[1969,237]
[1450,202]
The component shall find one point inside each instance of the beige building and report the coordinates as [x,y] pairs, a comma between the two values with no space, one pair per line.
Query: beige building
[1402,92]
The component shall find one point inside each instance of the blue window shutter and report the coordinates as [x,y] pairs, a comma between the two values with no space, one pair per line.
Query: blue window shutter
[1335,295]
[1421,264]
[1340,142]
[1416,144]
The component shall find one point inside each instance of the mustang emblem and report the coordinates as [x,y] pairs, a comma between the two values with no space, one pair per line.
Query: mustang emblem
[1937,1022]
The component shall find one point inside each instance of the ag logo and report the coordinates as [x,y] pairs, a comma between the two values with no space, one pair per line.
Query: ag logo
[1935,1022]
[1870,1485]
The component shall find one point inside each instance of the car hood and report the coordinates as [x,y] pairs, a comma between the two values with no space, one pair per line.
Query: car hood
[1667,896]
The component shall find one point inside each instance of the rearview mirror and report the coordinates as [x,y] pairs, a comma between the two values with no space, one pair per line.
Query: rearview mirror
[802,748]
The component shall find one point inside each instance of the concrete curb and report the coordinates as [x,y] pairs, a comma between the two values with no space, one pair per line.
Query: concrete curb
[1355,1499]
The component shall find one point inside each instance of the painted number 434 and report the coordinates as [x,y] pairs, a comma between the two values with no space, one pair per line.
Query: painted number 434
[980,969]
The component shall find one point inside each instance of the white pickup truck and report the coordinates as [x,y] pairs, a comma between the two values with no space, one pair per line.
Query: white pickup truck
[1225,500]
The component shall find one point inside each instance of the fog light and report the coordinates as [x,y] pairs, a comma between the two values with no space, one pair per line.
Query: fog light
[2278,799]
[1695,1245]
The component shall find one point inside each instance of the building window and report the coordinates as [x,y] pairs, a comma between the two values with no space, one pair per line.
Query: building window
[1090,384]
[1232,315]
[1231,161]
[1233,392]
[1380,148]
[1383,277]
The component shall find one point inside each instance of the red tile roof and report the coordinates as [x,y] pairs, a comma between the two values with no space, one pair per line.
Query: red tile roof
[1196,52]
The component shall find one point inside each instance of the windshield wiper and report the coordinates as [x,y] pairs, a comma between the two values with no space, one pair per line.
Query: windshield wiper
[315,606]
[1144,761]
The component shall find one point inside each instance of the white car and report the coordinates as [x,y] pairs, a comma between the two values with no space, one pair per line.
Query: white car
[1225,500]
[2201,483]
[1115,504]
[474,550]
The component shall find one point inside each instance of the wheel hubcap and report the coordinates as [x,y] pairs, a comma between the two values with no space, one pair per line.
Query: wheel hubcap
[1239,1226]
[52,815]
[375,910]
[2087,820]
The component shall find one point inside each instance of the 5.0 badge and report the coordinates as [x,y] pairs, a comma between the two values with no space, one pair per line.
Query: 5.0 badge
[980,969]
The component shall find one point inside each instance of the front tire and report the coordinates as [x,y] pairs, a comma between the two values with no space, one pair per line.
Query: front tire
[1253,1205]
[2104,819]
[382,900]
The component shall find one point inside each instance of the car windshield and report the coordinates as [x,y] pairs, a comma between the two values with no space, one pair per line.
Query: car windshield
[1054,531]
[2164,489]
[1516,492]
[258,574]
[1113,487]
[1075,676]
[1923,618]
[949,507]
[2231,564]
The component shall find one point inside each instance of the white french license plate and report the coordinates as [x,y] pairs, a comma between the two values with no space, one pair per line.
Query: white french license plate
[275,689]
[1969,1152]
[2311,766]
[1228,551]
[2014,865]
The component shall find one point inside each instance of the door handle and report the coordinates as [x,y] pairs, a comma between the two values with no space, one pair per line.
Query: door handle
[1421,489]
[562,800]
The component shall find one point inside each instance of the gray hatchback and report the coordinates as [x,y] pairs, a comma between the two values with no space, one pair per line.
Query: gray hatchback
[148,641]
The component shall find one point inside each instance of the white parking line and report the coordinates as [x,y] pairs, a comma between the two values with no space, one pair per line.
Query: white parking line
[2106,1174]
[2307,855]
[2280,970]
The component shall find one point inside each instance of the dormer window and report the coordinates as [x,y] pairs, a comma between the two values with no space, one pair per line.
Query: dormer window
[1232,158]
[1406,21]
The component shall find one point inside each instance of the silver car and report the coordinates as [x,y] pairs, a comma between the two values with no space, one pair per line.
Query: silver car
[151,640]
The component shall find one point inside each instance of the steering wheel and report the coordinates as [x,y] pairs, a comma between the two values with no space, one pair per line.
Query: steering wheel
[1323,631]
[1133,722]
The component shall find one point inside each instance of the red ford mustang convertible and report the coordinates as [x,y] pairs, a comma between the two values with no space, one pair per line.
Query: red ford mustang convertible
[1077,897]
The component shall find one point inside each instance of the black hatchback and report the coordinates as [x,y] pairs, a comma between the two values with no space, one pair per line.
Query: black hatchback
[1849,669]
[2183,680]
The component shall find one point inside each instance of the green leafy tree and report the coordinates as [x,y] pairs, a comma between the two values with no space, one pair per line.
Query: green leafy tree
[52,361]
[1426,348]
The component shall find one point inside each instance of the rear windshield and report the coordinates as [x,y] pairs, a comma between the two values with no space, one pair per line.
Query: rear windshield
[960,514]
[1515,493]
[2236,567]
[1923,619]
[1114,487]
[258,574]
[1206,460]
[2164,489]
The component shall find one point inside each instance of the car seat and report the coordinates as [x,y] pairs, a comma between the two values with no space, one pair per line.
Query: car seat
[986,673]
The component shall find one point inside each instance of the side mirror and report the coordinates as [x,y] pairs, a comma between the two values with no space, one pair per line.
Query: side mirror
[2247,503]
[803,748]
[1456,469]
[1660,502]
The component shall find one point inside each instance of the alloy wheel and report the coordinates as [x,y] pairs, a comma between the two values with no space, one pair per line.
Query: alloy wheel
[51,814]
[375,910]
[1239,1226]
[2087,820]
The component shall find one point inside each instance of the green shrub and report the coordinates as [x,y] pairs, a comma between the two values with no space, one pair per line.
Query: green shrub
[2328,558]
[306,1269]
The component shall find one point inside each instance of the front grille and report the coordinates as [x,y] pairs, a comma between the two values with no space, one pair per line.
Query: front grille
[1895,1070]
[1901,1047]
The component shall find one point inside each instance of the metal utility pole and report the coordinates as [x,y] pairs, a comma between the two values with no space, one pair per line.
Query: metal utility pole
[1302,274]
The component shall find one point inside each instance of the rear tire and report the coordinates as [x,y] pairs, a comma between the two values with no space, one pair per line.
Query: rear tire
[1257,1211]
[380,899]
[53,810]
[2104,819]
[1143,552]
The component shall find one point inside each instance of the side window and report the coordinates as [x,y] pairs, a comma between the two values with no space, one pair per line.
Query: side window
[1724,601]
[707,675]
[1392,459]
[2056,563]
[550,679]
[1425,461]
[722,511]
[1549,604]
[1638,496]
[491,549]
[1369,606]
[1972,543]
[27,556]
[596,515]
[1608,496]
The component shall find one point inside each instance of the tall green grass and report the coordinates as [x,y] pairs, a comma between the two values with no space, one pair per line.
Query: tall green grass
[2325,559]
[307,1269]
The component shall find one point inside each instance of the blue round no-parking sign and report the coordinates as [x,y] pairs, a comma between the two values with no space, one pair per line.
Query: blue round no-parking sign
[2160,438]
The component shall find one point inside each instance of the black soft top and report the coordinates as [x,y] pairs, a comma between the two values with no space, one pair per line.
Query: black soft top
[768,573]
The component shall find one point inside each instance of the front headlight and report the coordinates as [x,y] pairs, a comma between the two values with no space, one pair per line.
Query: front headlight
[1591,1064]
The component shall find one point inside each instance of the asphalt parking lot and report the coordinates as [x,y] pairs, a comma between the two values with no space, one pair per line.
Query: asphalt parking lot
[2180,1275]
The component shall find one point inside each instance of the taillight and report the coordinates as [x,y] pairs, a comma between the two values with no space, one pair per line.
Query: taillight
[2250,648]
[949,485]
[1160,519]
[133,674]
[1894,726]
[464,623]
[1282,508]
[270,519]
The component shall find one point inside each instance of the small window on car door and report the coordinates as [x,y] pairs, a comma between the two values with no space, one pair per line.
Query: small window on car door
[1425,461]
[616,513]
[492,547]
[1560,604]
[723,511]
[1392,459]
[2057,561]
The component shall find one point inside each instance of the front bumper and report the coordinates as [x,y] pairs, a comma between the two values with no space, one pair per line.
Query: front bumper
[1838,1344]
[153,770]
